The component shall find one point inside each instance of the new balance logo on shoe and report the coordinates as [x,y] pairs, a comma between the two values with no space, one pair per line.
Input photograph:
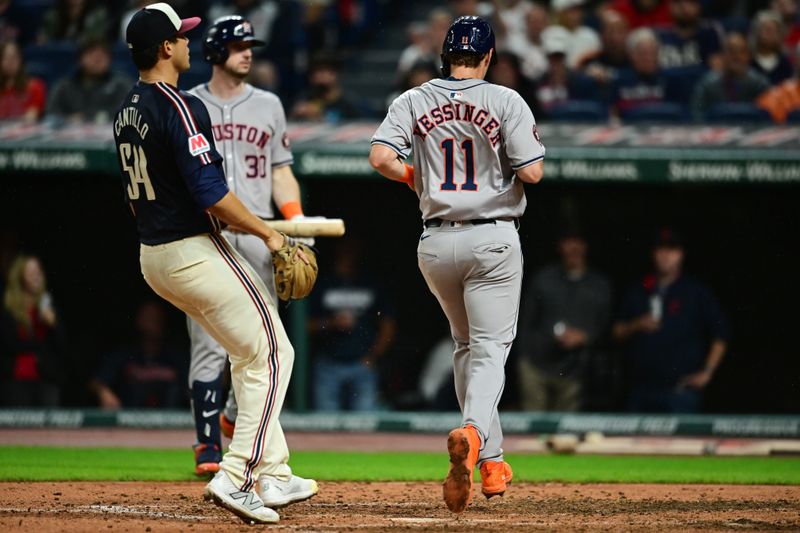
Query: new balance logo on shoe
[249,500]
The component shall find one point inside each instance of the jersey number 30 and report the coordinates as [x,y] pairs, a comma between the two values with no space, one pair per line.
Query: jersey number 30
[449,148]
[137,171]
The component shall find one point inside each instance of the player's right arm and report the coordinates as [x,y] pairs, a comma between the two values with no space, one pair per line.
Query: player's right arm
[232,211]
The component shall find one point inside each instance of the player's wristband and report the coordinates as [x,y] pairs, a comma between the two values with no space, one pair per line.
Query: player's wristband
[408,177]
[291,209]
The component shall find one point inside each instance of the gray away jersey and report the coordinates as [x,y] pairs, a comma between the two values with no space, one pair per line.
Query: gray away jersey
[468,137]
[250,134]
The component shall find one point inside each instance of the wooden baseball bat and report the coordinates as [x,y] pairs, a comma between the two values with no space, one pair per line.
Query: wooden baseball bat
[309,227]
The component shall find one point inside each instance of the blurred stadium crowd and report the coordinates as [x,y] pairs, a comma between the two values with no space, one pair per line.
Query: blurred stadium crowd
[653,61]
[574,60]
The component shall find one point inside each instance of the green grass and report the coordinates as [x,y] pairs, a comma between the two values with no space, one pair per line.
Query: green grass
[115,464]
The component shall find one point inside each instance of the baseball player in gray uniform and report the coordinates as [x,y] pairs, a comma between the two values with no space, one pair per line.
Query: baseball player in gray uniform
[474,145]
[249,127]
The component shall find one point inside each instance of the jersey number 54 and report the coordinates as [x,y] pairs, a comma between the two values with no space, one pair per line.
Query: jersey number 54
[137,171]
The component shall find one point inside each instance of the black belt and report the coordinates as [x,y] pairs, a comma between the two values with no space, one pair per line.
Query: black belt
[438,222]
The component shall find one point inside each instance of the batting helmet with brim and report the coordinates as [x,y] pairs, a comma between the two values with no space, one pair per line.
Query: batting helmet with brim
[467,35]
[223,31]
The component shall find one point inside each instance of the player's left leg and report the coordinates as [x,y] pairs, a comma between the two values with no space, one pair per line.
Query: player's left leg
[491,295]
[259,257]
[205,383]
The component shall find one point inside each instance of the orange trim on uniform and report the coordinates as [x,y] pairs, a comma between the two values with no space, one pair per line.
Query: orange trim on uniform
[408,177]
[291,209]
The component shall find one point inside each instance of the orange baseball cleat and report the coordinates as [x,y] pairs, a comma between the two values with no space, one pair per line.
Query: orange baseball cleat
[463,445]
[495,476]
[206,458]
[226,426]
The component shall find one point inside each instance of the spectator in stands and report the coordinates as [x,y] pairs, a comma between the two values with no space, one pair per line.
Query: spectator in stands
[352,325]
[509,21]
[691,41]
[508,74]
[11,23]
[482,8]
[605,65]
[675,333]
[147,372]
[566,310]
[325,100]
[782,100]
[639,13]
[265,76]
[94,92]
[74,20]
[31,340]
[420,73]
[528,46]
[582,41]
[643,84]
[261,14]
[126,17]
[766,42]
[426,41]
[21,96]
[788,11]
[560,84]
[736,82]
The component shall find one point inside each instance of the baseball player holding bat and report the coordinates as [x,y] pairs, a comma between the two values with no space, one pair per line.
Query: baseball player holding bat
[474,145]
[176,187]
[249,128]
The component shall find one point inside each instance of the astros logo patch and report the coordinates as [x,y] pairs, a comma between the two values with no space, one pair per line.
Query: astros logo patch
[198,144]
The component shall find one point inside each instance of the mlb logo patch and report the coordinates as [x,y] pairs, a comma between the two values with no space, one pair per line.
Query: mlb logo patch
[135,98]
[198,144]
[456,94]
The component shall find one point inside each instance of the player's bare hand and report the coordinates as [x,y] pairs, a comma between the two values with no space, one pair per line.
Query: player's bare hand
[698,380]
[300,254]
[275,241]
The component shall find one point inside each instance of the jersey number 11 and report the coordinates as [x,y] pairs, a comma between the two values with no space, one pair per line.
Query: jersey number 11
[467,146]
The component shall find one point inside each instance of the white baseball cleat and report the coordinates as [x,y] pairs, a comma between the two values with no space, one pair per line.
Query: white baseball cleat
[277,493]
[246,505]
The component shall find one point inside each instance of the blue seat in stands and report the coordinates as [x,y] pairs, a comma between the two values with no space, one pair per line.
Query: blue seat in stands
[737,113]
[579,111]
[793,118]
[658,113]
[51,61]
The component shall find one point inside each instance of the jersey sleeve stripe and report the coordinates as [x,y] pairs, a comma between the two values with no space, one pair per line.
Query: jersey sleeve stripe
[183,112]
[526,163]
[283,163]
[394,147]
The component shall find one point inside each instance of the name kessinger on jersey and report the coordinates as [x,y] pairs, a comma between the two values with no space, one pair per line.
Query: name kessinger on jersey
[448,112]
[129,116]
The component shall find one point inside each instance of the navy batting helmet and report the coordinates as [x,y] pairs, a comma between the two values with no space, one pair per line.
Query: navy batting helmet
[226,30]
[467,35]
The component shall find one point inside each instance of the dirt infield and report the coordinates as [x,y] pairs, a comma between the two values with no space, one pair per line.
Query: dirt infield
[154,507]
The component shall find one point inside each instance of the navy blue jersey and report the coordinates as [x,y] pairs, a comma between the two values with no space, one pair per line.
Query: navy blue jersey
[171,170]
[676,51]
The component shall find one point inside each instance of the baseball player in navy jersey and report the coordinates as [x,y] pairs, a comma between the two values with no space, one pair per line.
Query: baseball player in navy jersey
[249,128]
[474,145]
[176,187]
